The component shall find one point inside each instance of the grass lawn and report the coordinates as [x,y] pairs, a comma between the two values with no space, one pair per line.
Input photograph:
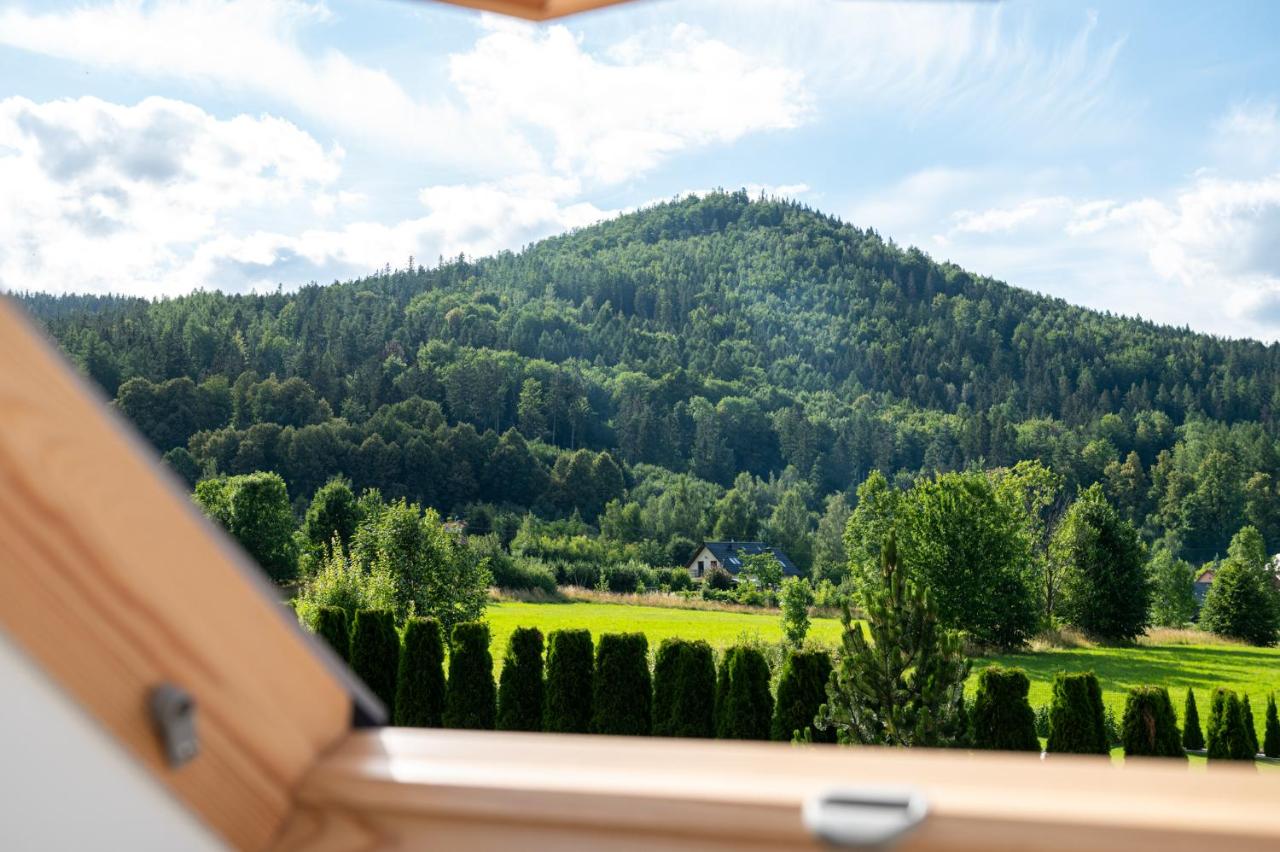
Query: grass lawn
[1254,671]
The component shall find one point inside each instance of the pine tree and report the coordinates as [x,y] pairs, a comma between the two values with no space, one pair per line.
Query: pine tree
[1271,736]
[1192,736]
[420,687]
[520,688]
[904,683]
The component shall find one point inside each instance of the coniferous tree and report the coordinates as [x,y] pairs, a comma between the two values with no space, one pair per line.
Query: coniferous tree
[332,626]
[375,653]
[520,687]
[1271,734]
[470,697]
[1192,736]
[569,691]
[420,687]
[684,689]
[1250,727]
[1001,717]
[623,689]
[1227,738]
[903,684]
[1149,727]
[1077,723]
[744,707]
[802,688]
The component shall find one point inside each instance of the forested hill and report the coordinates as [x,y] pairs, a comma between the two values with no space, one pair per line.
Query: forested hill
[679,347]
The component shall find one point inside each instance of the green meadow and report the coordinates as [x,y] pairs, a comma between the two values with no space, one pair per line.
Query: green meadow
[1177,666]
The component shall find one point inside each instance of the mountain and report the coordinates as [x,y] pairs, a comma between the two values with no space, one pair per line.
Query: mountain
[654,358]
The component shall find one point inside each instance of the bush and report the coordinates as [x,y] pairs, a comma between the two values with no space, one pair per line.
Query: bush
[420,688]
[1077,724]
[375,653]
[802,689]
[1241,605]
[684,689]
[522,573]
[1042,721]
[797,597]
[675,579]
[520,689]
[581,574]
[1250,727]
[332,626]
[1227,737]
[1192,737]
[569,680]
[1001,718]
[470,698]
[716,577]
[1150,728]
[744,707]
[1271,734]
[718,595]
[623,689]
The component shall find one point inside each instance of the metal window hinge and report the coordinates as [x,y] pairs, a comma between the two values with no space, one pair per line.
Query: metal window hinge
[173,713]
[858,818]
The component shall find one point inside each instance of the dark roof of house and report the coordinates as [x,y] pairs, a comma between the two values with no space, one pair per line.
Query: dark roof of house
[729,554]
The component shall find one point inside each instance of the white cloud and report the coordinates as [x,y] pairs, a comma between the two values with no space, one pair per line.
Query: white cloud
[102,197]
[615,114]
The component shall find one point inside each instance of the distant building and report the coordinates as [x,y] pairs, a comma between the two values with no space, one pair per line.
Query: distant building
[729,555]
[1202,584]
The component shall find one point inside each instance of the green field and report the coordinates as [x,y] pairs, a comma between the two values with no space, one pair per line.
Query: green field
[1254,671]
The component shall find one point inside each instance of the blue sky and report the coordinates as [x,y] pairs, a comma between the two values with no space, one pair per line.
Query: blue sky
[1125,157]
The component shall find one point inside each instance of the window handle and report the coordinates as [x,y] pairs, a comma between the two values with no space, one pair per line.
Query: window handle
[858,818]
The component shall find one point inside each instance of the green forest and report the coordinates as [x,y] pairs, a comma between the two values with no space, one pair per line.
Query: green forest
[715,366]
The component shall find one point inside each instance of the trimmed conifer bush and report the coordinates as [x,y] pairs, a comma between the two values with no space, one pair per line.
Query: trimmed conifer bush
[1076,721]
[684,689]
[375,653]
[1192,736]
[333,626]
[520,688]
[1271,734]
[1250,727]
[802,689]
[420,688]
[1149,727]
[744,707]
[623,688]
[1001,717]
[1227,737]
[568,697]
[470,697]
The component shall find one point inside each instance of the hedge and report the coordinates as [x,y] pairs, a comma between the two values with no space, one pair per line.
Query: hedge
[1227,738]
[1076,720]
[375,653]
[569,677]
[1150,727]
[520,689]
[1001,717]
[684,689]
[1192,737]
[470,697]
[420,688]
[802,689]
[623,690]
[744,707]
[333,626]
[1271,735]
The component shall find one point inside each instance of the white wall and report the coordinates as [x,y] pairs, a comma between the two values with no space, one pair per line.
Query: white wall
[66,784]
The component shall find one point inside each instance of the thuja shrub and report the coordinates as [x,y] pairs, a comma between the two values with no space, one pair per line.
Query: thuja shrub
[1192,736]
[744,707]
[1149,727]
[470,697]
[623,689]
[520,689]
[570,667]
[1076,721]
[1250,727]
[1271,733]
[1227,739]
[684,689]
[802,689]
[1001,717]
[420,688]
[333,626]
[375,653]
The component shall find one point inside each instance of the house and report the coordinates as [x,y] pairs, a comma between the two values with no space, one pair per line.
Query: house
[1202,584]
[729,555]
